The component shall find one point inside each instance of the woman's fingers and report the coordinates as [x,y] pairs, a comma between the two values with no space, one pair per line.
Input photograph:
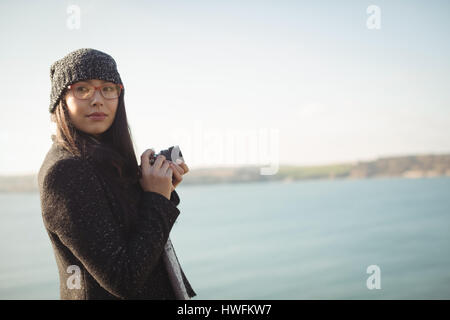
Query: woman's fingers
[145,159]
[177,168]
[184,167]
[164,167]
[169,173]
[177,176]
[159,161]
[178,171]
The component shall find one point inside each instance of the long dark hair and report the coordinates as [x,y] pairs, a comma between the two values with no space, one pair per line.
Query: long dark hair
[112,154]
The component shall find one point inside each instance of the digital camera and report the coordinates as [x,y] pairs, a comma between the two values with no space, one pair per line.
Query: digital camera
[171,154]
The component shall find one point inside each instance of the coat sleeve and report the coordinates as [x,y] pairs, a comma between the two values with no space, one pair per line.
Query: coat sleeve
[175,198]
[77,211]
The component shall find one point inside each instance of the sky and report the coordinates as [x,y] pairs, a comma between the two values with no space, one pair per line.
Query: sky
[237,83]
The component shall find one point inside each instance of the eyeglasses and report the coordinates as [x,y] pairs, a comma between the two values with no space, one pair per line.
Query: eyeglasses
[85,91]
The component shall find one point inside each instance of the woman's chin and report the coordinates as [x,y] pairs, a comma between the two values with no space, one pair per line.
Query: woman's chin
[95,131]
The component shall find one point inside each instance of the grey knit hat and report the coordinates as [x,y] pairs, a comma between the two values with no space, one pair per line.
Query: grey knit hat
[81,64]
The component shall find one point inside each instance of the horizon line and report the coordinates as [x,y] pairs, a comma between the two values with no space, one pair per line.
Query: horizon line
[446,153]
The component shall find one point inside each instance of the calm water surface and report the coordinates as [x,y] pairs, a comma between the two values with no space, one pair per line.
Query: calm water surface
[300,240]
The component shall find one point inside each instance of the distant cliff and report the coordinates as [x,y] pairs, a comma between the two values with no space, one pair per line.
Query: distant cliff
[24,183]
[416,166]
[410,167]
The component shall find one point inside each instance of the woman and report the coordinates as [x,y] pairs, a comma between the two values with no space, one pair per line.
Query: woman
[108,219]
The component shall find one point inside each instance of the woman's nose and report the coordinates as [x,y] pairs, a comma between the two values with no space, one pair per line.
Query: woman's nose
[97,98]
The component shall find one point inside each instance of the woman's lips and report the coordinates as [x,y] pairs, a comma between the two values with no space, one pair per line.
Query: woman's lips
[97,117]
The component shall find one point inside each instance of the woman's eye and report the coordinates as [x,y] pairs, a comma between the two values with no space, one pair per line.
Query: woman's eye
[108,88]
[82,89]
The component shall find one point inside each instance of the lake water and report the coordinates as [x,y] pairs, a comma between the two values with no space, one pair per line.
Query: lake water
[274,240]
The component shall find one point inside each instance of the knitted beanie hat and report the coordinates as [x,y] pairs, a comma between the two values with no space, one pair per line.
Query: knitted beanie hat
[81,64]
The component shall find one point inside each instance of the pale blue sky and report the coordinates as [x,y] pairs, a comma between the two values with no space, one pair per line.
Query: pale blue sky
[334,90]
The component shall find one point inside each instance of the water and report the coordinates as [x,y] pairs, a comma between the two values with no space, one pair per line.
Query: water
[300,240]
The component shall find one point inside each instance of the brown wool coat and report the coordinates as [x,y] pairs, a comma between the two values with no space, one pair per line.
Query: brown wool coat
[96,259]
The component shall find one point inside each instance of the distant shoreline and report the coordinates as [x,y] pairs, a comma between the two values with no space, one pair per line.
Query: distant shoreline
[412,167]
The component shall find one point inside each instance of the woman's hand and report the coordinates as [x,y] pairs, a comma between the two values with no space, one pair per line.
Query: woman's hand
[156,177]
[178,171]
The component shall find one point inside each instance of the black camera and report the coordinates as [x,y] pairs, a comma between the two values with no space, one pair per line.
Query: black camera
[171,154]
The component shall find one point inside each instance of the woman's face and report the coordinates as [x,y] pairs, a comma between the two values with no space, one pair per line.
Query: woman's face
[80,111]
